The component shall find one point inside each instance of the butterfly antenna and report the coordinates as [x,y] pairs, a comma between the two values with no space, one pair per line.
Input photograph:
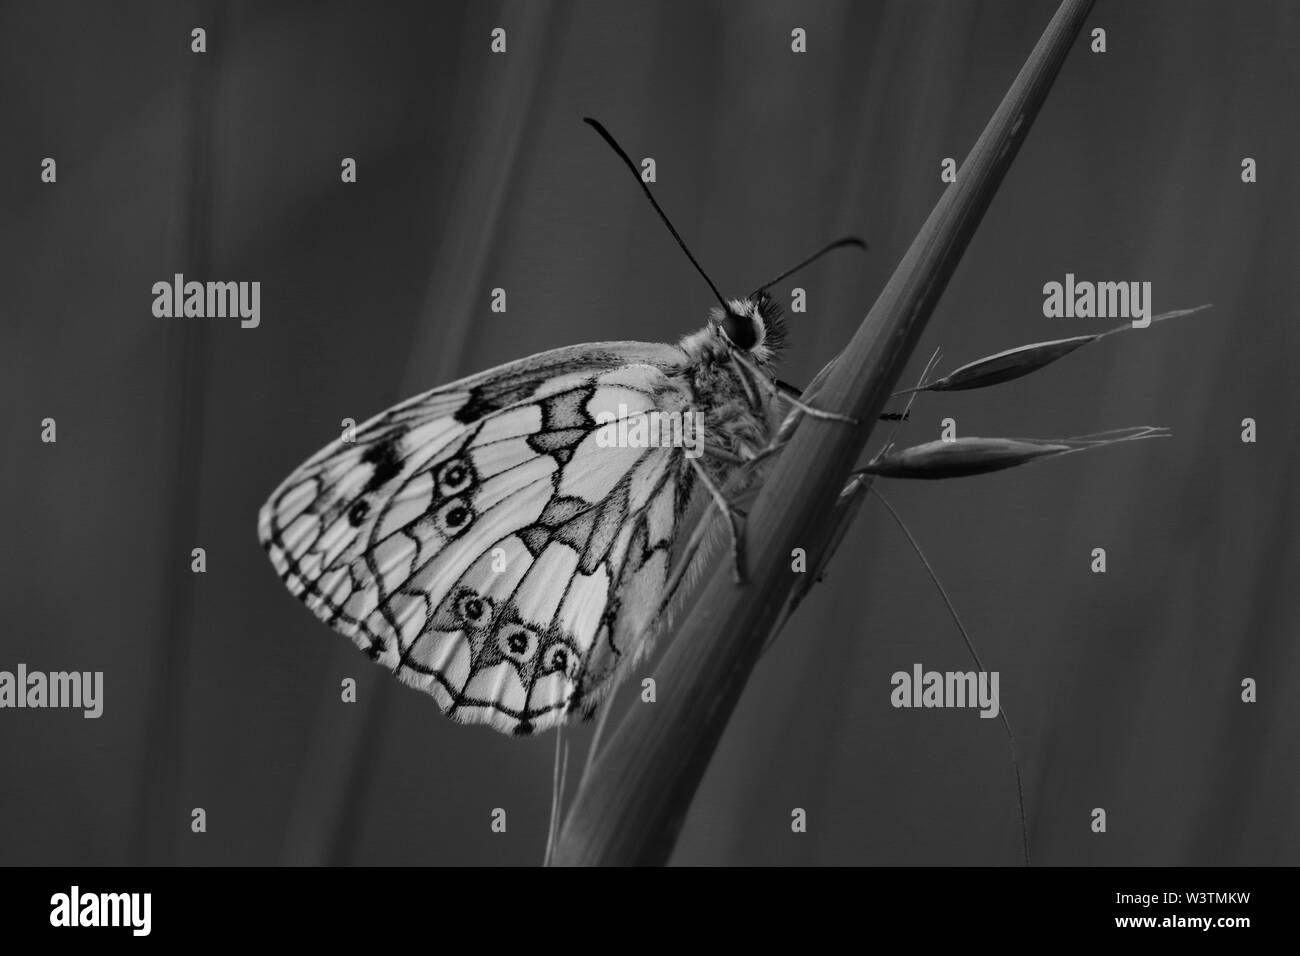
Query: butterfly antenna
[613,144]
[837,244]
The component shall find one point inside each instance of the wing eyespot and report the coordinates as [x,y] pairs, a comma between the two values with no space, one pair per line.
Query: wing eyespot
[358,513]
[517,643]
[474,609]
[454,476]
[454,517]
[558,657]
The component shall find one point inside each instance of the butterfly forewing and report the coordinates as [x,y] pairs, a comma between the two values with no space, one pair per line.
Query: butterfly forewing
[483,542]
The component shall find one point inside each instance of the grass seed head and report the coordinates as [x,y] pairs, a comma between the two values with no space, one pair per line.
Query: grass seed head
[961,457]
[976,456]
[1014,363]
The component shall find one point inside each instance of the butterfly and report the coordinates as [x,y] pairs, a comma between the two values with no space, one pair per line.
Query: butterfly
[503,544]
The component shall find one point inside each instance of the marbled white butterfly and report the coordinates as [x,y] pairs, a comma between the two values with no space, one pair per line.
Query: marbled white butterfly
[489,541]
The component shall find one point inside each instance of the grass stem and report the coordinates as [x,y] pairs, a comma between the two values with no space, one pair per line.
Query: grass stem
[633,804]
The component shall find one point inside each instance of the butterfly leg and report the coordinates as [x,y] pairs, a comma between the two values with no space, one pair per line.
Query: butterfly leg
[792,395]
[792,392]
[768,452]
[789,393]
[735,520]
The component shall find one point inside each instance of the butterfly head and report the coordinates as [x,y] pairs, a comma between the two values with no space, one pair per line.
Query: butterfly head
[752,325]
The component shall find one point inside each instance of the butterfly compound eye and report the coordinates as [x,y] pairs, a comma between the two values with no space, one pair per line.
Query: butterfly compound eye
[739,329]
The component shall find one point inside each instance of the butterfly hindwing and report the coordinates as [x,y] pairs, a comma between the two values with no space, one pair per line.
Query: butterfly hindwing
[487,540]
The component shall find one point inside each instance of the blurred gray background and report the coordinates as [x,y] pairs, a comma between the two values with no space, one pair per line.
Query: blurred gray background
[222,692]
